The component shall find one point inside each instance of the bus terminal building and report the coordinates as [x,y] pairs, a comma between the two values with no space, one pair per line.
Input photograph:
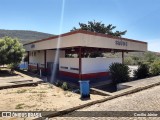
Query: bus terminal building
[42,54]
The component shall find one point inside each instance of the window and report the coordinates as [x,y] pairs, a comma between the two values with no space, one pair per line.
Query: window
[64,67]
[74,69]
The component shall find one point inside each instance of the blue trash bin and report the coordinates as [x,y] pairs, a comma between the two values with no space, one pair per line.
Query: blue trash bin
[84,89]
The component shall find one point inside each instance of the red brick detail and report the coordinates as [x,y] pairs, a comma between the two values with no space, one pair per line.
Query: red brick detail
[84,76]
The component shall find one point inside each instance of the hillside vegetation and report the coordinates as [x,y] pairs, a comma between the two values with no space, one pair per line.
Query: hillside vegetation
[24,36]
[134,58]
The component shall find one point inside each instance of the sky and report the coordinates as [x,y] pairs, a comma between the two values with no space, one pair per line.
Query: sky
[141,18]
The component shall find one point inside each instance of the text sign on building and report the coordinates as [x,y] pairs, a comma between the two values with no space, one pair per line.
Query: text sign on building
[121,43]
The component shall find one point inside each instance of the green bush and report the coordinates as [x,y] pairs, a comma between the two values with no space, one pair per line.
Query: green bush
[119,72]
[58,83]
[64,86]
[142,71]
[12,67]
[155,68]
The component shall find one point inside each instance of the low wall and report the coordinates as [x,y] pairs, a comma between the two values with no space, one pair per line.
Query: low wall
[96,65]
[91,67]
[69,65]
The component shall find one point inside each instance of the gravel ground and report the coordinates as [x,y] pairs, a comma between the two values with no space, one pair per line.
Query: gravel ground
[146,100]
[44,97]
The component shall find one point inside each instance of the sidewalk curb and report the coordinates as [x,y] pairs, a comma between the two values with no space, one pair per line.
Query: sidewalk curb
[20,85]
[25,77]
[63,112]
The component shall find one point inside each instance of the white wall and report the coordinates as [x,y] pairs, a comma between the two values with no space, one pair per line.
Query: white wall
[89,65]
[65,41]
[94,65]
[104,42]
[88,41]
[70,63]
[39,57]
[50,55]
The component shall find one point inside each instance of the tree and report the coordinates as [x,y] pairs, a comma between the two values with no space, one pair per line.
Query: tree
[150,57]
[128,61]
[3,55]
[99,27]
[11,51]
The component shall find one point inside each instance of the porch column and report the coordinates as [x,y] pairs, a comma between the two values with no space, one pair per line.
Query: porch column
[28,58]
[122,57]
[45,64]
[80,63]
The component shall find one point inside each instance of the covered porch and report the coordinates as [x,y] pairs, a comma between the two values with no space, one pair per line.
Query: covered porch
[75,64]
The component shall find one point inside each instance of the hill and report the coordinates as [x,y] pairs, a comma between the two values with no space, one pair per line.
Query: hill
[24,36]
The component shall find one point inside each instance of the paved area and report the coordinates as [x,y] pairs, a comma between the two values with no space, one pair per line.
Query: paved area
[146,100]
[143,82]
[137,84]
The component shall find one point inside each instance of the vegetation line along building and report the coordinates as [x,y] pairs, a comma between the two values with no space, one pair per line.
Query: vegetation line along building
[42,53]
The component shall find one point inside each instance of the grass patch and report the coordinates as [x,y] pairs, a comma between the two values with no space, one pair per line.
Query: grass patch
[37,91]
[21,91]
[33,92]
[30,106]
[50,86]
[19,106]
[42,92]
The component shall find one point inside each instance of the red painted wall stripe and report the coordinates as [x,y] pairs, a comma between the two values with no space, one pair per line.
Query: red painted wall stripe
[84,76]
[95,75]
[68,74]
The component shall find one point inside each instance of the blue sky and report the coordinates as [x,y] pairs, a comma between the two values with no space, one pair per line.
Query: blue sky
[141,18]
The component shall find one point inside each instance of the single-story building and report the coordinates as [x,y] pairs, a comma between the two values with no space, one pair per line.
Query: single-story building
[42,54]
